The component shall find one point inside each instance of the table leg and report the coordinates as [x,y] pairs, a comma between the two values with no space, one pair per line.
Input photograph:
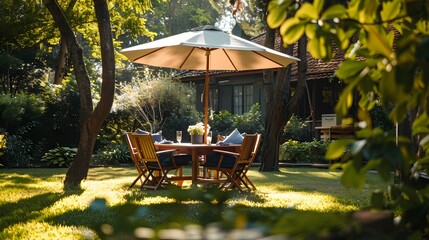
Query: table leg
[194,166]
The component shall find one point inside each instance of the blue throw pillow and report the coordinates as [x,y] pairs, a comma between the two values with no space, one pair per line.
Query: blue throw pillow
[139,131]
[234,137]
[156,137]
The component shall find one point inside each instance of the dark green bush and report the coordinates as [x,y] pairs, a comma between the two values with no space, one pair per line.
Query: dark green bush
[222,123]
[380,118]
[293,151]
[61,116]
[297,129]
[19,150]
[112,154]
[250,122]
[180,120]
[19,110]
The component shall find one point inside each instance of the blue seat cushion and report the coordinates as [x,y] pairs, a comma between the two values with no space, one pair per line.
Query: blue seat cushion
[165,160]
[182,160]
[213,160]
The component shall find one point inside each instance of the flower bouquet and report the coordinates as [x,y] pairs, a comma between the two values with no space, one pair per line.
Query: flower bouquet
[197,131]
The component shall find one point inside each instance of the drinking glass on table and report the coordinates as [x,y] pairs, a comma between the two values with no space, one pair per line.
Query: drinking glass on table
[209,137]
[179,136]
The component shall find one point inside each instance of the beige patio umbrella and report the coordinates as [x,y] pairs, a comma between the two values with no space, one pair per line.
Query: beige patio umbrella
[207,48]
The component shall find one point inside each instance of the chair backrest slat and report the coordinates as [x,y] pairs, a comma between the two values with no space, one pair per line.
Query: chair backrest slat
[247,147]
[132,148]
[145,147]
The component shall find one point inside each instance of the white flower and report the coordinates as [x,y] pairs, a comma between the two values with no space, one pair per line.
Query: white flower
[197,129]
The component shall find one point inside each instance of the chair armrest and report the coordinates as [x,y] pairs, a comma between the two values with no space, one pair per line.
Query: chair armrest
[166,151]
[226,152]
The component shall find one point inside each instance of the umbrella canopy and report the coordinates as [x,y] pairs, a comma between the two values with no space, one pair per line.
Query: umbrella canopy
[207,48]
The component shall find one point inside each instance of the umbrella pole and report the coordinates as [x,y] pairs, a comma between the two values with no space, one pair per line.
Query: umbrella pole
[206,97]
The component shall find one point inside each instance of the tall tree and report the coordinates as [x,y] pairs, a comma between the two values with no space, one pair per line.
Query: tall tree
[91,118]
[279,103]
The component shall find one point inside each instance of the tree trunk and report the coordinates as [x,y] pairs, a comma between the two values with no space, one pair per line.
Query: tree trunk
[60,70]
[90,119]
[302,77]
[61,63]
[281,107]
[268,162]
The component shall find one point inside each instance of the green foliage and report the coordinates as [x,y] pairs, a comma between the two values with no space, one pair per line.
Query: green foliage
[179,120]
[21,121]
[60,156]
[19,110]
[251,121]
[61,115]
[297,129]
[293,151]
[112,154]
[19,150]
[386,46]
[152,97]
[222,123]
[380,118]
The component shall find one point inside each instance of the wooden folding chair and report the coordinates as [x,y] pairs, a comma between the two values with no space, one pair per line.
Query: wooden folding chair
[141,169]
[157,164]
[243,176]
[235,165]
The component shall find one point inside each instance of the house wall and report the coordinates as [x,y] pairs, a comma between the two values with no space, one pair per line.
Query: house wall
[323,95]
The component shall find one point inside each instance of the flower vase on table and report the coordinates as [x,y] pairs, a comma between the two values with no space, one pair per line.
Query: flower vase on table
[197,131]
[196,139]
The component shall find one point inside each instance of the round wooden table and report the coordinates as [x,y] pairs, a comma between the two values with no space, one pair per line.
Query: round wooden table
[196,150]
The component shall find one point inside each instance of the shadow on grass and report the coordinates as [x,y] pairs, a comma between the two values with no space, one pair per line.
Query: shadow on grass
[26,209]
[106,173]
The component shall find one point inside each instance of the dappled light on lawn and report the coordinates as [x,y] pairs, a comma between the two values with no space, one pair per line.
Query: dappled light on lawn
[308,201]
[36,201]
[38,230]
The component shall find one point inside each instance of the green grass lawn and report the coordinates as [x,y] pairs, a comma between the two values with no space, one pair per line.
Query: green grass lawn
[34,204]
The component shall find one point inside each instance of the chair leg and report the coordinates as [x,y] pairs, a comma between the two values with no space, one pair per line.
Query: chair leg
[247,180]
[232,180]
[135,181]
[180,171]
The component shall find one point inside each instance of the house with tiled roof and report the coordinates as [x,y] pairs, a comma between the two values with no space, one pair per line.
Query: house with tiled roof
[237,91]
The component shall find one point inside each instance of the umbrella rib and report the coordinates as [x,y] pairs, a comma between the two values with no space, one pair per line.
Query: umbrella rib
[232,63]
[186,59]
[147,54]
[280,65]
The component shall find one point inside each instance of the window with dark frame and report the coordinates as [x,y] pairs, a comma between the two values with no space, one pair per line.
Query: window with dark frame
[242,98]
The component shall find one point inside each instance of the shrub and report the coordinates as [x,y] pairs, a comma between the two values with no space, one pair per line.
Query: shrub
[60,156]
[179,120]
[250,122]
[380,118]
[20,151]
[19,110]
[222,123]
[297,129]
[305,152]
[112,154]
[62,114]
